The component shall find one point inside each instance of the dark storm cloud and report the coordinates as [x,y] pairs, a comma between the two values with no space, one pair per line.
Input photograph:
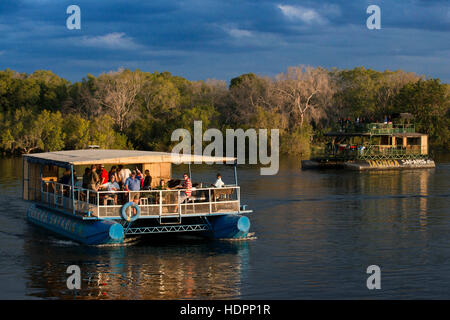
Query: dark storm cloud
[211,38]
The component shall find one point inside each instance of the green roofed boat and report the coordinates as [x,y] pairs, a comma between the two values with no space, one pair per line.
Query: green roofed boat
[373,146]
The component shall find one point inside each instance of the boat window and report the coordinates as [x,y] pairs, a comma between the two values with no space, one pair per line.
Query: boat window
[385,140]
[413,141]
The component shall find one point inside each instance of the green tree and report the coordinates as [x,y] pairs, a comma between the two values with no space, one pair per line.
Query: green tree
[6,140]
[102,133]
[159,95]
[76,131]
[26,131]
[428,101]
[54,91]
[17,90]
[52,135]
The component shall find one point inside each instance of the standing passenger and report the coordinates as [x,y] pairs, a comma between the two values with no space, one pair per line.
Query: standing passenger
[124,173]
[133,183]
[86,177]
[184,195]
[147,185]
[94,180]
[187,184]
[104,176]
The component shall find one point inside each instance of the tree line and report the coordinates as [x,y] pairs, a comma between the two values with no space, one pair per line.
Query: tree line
[140,110]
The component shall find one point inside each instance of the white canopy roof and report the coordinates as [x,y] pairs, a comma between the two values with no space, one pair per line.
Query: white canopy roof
[102,156]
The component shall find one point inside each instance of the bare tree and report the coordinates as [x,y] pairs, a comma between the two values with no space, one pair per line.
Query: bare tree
[212,91]
[304,91]
[117,92]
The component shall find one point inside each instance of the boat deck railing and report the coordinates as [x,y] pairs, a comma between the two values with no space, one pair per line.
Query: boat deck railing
[389,128]
[376,128]
[153,203]
[375,152]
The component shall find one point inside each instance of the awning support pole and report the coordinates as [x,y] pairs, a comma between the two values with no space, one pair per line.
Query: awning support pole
[190,173]
[40,174]
[73,191]
[235,173]
[23,177]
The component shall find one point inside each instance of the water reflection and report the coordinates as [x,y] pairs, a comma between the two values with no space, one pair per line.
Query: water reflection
[175,268]
[423,191]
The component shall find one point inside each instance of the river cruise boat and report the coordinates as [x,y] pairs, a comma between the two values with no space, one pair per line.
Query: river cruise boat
[373,146]
[94,217]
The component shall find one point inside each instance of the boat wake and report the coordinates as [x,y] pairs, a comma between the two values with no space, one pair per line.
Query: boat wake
[64,243]
[250,236]
[127,242]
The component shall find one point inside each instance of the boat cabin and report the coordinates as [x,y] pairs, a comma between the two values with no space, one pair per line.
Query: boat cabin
[377,141]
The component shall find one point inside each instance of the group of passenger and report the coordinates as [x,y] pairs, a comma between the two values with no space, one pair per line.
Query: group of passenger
[360,122]
[97,178]
[120,178]
[340,149]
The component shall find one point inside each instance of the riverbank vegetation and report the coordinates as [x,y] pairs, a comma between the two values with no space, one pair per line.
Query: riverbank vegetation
[134,109]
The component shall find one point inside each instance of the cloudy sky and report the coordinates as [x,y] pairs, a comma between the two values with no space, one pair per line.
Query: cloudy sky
[201,39]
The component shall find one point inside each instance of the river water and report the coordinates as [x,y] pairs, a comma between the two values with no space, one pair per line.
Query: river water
[315,234]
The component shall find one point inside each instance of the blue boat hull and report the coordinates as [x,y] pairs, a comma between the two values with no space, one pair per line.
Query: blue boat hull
[228,227]
[89,232]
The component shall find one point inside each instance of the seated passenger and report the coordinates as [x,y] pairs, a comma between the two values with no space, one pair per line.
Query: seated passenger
[66,178]
[111,186]
[76,182]
[113,172]
[219,183]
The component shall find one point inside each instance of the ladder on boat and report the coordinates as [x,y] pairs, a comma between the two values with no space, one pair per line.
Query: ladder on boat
[170,218]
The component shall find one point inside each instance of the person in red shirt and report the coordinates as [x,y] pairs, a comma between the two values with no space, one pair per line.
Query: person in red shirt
[184,195]
[104,175]
[187,185]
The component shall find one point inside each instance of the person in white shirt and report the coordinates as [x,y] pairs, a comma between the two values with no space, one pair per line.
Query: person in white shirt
[124,173]
[219,183]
